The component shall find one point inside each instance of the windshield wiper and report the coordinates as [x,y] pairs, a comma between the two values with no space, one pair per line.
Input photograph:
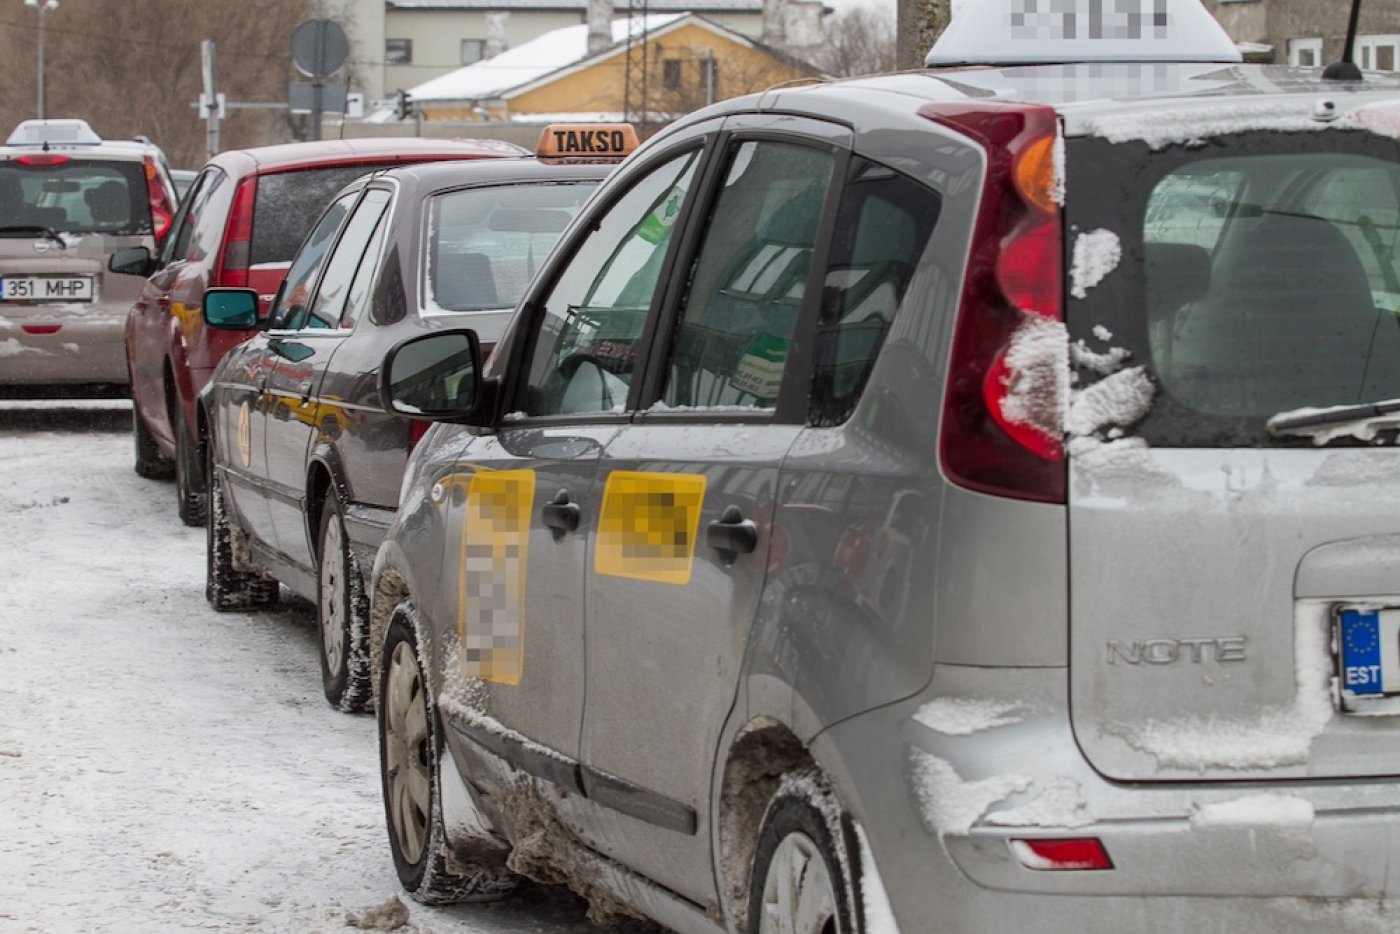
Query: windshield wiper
[1385,414]
[33,230]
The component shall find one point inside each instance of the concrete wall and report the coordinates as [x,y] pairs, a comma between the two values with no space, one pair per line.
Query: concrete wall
[1276,21]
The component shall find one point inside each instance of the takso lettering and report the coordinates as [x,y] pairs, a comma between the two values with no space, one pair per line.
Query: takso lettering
[596,142]
[1194,649]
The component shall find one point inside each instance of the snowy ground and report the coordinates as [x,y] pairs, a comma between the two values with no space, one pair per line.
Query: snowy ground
[164,767]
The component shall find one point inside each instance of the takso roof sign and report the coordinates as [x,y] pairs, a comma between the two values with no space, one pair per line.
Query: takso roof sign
[1009,32]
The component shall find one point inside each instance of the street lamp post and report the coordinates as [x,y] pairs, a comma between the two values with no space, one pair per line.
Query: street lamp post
[43,6]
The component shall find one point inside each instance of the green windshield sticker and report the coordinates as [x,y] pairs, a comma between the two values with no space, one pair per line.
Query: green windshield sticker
[760,371]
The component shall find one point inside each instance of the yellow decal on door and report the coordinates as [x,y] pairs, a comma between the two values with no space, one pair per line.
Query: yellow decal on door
[648,525]
[245,436]
[491,572]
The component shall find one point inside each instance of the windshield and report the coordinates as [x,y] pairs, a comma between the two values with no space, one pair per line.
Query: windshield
[486,243]
[1258,276]
[75,196]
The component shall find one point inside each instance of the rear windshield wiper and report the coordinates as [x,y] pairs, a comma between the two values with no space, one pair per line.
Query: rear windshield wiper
[1365,420]
[33,230]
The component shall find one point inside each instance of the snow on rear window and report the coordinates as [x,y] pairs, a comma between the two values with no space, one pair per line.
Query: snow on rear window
[1096,254]
[288,204]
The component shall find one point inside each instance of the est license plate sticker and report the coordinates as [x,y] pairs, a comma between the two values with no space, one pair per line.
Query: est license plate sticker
[1368,641]
[46,288]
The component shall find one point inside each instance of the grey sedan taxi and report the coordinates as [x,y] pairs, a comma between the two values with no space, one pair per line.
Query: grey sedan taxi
[304,459]
[951,501]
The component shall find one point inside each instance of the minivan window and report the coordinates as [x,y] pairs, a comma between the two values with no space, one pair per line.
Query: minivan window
[1266,282]
[288,203]
[76,196]
[739,316]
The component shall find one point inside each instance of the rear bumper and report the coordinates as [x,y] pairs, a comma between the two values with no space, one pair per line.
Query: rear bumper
[942,807]
[84,350]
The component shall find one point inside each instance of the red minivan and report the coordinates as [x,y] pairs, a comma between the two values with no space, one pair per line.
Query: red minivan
[239,225]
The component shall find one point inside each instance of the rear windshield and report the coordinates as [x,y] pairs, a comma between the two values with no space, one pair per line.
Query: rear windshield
[1257,276]
[288,203]
[76,196]
[486,243]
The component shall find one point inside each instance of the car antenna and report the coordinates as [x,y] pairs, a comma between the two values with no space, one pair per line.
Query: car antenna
[1346,70]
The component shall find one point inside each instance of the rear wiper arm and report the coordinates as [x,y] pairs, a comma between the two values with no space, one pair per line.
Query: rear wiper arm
[33,230]
[1385,413]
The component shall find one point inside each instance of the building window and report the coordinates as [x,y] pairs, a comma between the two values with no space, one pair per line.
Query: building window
[473,50]
[1305,53]
[398,51]
[671,74]
[1378,53]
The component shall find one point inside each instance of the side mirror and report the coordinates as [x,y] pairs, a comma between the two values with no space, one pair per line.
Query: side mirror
[231,309]
[133,261]
[435,376]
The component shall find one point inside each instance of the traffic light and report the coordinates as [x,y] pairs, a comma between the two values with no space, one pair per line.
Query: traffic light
[403,104]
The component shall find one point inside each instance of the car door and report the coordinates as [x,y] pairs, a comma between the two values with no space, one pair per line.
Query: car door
[294,413]
[149,328]
[688,493]
[522,504]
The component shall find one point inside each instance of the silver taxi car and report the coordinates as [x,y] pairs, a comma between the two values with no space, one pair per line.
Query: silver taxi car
[958,501]
[70,203]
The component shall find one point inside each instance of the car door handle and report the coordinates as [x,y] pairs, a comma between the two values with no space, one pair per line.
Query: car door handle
[560,515]
[731,534]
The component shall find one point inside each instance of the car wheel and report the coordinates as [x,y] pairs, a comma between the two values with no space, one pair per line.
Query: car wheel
[342,613]
[409,749]
[800,882]
[225,587]
[190,501]
[150,463]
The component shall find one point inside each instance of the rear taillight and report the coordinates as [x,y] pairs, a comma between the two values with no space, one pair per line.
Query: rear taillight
[1008,384]
[162,210]
[43,159]
[417,428]
[1069,854]
[231,271]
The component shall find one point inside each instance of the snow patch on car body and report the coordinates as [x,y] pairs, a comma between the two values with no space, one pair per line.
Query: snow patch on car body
[1038,360]
[1096,254]
[1060,803]
[950,805]
[1251,810]
[1273,737]
[1116,401]
[964,716]
[13,348]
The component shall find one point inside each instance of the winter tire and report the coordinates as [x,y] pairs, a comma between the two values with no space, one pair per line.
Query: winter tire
[190,500]
[150,463]
[342,615]
[410,744]
[802,880]
[225,587]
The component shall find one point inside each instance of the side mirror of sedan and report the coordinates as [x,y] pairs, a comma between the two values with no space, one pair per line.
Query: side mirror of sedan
[231,309]
[435,376]
[133,261]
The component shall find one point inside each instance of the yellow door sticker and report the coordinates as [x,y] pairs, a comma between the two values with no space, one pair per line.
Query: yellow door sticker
[648,526]
[491,574]
[245,436]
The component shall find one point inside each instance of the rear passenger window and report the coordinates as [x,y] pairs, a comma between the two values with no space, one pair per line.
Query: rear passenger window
[349,254]
[740,314]
[882,228]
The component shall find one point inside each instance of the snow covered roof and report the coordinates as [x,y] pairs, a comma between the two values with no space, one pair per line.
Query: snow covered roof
[557,49]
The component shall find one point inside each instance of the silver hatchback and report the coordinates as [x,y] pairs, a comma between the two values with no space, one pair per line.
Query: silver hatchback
[70,203]
[948,501]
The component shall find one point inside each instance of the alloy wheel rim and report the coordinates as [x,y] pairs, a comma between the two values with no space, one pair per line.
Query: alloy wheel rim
[333,602]
[406,753]
[798,896]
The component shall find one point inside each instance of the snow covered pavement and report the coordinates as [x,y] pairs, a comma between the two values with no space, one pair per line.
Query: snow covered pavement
[164,767]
